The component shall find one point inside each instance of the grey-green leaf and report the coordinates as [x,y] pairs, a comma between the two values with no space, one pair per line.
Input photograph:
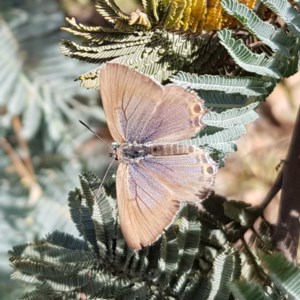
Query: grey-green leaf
[249,61]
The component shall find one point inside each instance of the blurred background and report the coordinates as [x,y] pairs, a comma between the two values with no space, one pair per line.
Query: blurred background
[43,147]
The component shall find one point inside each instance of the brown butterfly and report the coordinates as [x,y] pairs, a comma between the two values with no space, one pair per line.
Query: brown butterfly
[148,120]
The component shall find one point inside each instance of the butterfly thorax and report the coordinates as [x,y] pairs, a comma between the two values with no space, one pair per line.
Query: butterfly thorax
[134,152]
[129,152]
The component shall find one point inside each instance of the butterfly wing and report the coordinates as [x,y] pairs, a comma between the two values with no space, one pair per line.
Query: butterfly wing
[149,192]
[127,98]
[146,206]
[140,109]
[190,176]
[178,116]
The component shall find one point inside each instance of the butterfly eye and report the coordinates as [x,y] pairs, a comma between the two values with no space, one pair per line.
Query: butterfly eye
[136,153]
[115,145]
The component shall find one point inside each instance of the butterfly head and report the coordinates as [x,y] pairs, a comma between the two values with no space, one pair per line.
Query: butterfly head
[114,146]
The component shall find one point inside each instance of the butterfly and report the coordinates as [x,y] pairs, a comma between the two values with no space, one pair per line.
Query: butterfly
[155,173]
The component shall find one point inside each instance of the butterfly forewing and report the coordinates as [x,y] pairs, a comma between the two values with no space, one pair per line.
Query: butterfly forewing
[176,117]
[144,117]
[140,109]
[128,98]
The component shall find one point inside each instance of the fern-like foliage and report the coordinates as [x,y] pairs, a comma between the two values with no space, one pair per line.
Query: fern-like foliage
[243,290]
[287,12]
[178,15]
[163,37]
[248,86]
[233,69]
[286,278]
[39,105]
[37,82]
[275,38]
[284,274]
[64,267]
[193,260]
[158,52]
[223,129]
[23,221]
[249,61]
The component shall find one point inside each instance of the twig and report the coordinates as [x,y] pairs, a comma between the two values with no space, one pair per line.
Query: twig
[25,153]
[273,191]
[260,273]
[26,177]
[286,234]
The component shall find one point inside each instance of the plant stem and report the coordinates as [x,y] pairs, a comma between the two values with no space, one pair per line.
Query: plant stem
[25,153]
[286,234]
[26,177]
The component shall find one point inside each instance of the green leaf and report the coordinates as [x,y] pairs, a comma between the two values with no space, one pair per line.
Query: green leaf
[168,261]
[249,61]
[188,238]
[243,290]
[220,100]
[110,10]
[218,138]
[237,210]
[232,117]
[48,257]
[249,86]
[104,218]
[36,82]
[81,216]
[66,240]
[36,295]
[287,12]
[285,275]
[220,278]
[222,130]
[276,39]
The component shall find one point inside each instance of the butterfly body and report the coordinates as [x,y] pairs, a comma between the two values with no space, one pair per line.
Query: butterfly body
[135,152]
[156,171]
[131,152]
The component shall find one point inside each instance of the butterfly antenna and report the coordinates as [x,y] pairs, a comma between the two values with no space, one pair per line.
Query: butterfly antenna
[103,179]
[96,134]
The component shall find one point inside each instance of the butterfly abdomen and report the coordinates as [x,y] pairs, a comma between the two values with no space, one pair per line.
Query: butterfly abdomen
[170,149]
[136,152]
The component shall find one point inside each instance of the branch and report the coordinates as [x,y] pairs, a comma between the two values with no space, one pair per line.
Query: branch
[26,177]
[24,153]
[276,187]
[286,234]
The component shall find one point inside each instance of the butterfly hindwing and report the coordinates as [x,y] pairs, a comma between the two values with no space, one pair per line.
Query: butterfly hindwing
[146,207]
[190,176]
